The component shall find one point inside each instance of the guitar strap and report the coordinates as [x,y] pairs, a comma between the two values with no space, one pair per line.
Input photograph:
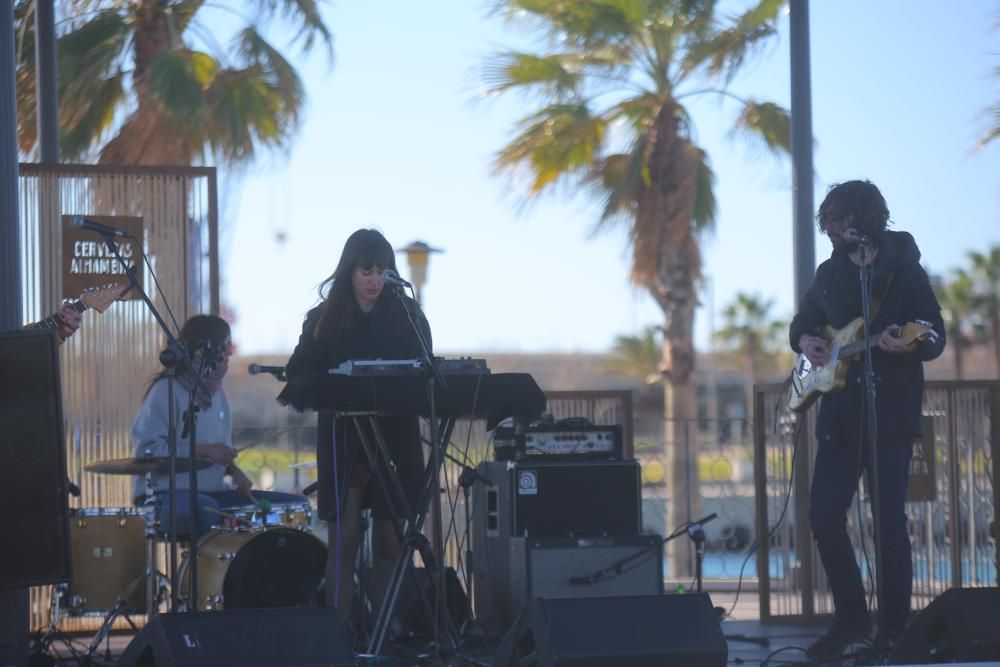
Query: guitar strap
[876,299]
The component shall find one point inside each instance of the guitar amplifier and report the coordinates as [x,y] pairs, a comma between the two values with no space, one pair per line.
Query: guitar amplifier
[559,568]
[556,498]
[568,499]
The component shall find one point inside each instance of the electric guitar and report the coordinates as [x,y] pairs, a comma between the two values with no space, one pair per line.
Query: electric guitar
[846,344]
[95,298]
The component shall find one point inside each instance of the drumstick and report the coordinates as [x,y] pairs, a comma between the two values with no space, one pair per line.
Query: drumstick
[264,505]
[227,515]
[262,440]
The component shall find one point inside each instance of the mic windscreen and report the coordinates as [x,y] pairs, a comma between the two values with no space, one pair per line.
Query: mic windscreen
[253,369]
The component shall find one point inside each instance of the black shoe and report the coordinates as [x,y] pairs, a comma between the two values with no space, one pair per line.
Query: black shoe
[843,633]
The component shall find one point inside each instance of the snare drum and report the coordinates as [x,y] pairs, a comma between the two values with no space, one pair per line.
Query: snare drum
[243,569]
[294,514]
[109,552]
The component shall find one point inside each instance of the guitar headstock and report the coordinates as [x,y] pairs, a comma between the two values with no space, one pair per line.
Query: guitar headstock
[99,298]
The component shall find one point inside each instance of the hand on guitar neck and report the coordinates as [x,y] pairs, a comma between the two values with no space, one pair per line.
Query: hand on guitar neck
[67,320]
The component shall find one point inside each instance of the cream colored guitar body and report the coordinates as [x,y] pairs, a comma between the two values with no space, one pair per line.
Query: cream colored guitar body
[846,346]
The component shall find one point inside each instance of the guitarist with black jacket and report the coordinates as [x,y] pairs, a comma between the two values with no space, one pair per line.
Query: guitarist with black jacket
[900,293]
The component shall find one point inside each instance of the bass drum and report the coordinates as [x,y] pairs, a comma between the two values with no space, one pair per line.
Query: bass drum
[253,569]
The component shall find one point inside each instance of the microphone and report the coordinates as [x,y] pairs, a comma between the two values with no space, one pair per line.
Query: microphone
[276,371]
[581,580]
[81,222]
[311,489]
[853,236]
[390,277]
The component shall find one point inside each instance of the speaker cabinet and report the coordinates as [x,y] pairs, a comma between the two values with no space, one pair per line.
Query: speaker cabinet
[559,568]
[537,500]
[644,631]
[291,636]
[960,625]
[32,461]
[556,498]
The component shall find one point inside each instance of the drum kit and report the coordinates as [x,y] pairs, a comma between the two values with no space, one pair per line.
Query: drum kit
[263,555]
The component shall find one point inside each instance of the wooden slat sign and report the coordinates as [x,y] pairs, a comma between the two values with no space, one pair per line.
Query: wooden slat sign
[923,483]
[88,262]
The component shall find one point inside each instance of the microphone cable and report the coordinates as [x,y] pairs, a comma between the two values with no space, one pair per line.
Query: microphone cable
[784,508]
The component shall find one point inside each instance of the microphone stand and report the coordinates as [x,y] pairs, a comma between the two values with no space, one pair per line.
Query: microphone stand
[871,433]
[434,379]
[172,355]
[617,567]
[190,432]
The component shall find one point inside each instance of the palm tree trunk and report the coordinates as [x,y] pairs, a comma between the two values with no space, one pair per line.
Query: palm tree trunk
[956,347]
[995,325]
[680,412]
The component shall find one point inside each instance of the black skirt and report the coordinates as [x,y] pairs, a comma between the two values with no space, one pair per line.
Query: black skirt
[342,453]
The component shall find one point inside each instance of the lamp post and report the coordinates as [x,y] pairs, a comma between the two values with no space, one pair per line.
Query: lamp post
[417,256]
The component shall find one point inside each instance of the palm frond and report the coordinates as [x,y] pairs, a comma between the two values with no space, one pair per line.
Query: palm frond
[246,112]
[548,75]
[559,140]
[704,198]
[307,14]
[767,125]
[993,132]
[723,52]
[254,49]
[588,24]
[174,81]
[84,126]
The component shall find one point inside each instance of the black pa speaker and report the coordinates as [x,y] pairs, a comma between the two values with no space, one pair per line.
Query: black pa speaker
[960,625]
[292,637]
[32,462]
[651,630]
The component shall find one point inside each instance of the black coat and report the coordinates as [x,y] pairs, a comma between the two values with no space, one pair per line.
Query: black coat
[834,299]
[385,334]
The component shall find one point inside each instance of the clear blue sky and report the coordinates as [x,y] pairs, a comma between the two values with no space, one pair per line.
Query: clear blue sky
[395,138]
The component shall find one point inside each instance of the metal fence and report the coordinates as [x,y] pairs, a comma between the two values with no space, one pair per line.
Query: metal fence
[952,531]
[106,364]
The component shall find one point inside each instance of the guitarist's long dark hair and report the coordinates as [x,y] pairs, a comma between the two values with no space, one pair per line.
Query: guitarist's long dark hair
[339,316]
[196,332]
[860,201]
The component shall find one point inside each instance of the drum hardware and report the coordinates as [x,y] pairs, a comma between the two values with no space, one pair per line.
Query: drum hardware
[272,566]
[142,465]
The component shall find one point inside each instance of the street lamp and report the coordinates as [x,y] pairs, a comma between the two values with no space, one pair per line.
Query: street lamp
[417,255]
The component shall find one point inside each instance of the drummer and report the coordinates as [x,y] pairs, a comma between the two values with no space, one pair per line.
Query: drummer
[207,339]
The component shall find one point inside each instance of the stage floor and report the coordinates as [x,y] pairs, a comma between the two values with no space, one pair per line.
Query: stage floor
[750,642]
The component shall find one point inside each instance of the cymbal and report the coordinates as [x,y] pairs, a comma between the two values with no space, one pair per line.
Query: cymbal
[157,465]
[304,464]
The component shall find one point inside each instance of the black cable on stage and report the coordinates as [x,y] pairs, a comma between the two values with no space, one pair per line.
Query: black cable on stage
[788,494]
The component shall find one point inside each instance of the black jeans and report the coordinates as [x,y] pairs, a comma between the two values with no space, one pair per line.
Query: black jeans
[835,479]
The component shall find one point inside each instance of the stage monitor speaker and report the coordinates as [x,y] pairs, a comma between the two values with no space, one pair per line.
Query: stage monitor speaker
[652,630]
[290,636]
[960,625]
[32,461]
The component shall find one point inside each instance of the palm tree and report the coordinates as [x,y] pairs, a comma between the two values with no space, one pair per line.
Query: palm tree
[145,82]
[986,276]
[960,304]
[636,356]
[612,79]
[749,329]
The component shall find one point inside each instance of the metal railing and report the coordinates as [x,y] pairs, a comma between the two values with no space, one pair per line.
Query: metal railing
[952,525]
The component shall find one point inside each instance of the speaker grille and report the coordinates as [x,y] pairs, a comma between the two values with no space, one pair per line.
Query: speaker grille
[32,462]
